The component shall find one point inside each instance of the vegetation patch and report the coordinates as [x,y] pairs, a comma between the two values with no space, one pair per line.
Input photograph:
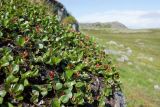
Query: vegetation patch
[43,63]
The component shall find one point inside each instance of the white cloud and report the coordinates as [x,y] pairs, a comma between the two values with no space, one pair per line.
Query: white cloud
[132,19]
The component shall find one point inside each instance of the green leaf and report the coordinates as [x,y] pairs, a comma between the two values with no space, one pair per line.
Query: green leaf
[1,34]
[69,74]
[107,91]
[44,91]
[49,87]
[15,68]
[35,73]
[30,74]
[80,56]
[70,84]
[9,58]
[5,64]
[1,100]
[19,97]
[10,105]
[56,102]
[40,46]
[64,98]
[79,67]
[25,25]
[68,92]
[81,101]
[34,99]
[55,60]
[21,41]
[11,79]
[79,98]
[35,95]
[102,102]
[27,74]
[18,88]
[2,93]
[21,19]
[59,86]
[45,38]
[6,22]
[5,59]
[35,92]
[26,83]
[79,84]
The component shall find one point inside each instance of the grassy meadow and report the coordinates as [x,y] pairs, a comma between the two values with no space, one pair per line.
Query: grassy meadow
[136,54]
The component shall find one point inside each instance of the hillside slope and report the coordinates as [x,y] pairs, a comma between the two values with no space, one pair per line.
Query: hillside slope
[43,63]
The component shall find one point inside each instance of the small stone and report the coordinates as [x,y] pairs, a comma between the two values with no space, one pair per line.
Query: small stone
[157,87]
[123,58]
[130,63]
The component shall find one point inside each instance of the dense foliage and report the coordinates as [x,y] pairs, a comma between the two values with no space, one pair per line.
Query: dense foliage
[43,63]
[69,20]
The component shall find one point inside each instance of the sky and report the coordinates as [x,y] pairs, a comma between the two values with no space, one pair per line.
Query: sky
[132,13]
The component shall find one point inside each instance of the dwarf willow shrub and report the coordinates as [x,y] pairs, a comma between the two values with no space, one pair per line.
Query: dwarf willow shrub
[43,63]
[69,20]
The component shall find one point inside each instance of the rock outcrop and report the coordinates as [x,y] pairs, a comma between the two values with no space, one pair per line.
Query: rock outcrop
[62,14]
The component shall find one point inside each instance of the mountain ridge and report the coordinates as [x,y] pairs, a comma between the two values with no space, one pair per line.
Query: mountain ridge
[113,24]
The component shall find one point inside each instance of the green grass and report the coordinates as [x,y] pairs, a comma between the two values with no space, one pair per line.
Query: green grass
[143,74]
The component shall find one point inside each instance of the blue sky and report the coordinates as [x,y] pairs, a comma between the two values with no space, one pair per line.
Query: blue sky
[133,13]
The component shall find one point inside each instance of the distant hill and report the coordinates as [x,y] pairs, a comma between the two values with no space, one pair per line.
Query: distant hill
[115,25]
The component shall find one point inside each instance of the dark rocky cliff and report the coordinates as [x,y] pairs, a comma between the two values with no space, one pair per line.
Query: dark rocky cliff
[62,14]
